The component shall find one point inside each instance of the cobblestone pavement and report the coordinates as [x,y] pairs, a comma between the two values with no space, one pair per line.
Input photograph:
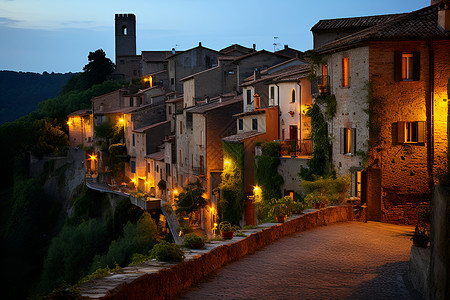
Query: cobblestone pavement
[340,261]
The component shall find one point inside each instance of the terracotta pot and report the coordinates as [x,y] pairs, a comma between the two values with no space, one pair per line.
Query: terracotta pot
[226,235]
[281,219]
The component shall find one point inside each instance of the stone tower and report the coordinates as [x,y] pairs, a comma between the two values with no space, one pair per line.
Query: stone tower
[125,35]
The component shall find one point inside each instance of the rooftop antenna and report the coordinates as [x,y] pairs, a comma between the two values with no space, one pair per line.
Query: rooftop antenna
[275,44]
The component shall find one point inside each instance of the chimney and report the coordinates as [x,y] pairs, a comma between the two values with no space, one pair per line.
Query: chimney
[207,99]
[256,74]
[199,44]
[220,99]
[286,46]
[444,15]
[173,50]
[254,47]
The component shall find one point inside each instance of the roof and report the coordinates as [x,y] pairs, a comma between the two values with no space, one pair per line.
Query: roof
[291,73]
[175,100]
[215,104]
[235,47]
[143,129]
[198,73]
[156,56]
[250,113]
[199,46]
[156,156]
[353,23]
[81,112]
[417,25]
[128,110]
[237,138]
[239,58]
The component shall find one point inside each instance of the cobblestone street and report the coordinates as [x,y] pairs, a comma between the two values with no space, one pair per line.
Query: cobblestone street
[340,261]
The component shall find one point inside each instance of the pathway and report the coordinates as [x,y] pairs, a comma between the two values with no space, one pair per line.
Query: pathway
[340,261]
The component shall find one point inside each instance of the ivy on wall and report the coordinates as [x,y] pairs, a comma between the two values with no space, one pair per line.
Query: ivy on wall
[266,171]
[232,196]
[319,164]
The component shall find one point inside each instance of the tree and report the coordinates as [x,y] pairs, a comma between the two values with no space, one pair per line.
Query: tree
[191,199]
[98,68]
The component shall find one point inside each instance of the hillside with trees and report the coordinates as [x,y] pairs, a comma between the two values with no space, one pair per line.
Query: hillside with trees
[22,91]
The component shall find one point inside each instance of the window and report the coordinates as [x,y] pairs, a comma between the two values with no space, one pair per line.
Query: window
[124,30]
[167,170]
[172,81]
[181,159]
[170,109]
[358,184]
[181,127]
[133,166]
[411,132]
[240,124]
[157,168]
[148,167]
[255,124]
[293,95]
[188,120]
[272,92]
[345,71]
[249,96]
[131,101]
[406,66]
[134,140]
[348,141]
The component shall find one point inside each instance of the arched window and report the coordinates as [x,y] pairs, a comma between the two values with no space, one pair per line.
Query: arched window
[124,30]
[293,95]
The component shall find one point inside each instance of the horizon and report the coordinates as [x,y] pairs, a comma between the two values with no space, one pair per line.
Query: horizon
[42,35]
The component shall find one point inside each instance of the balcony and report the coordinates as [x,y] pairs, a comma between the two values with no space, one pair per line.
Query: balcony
[320,86]
[296,148]
[198,171]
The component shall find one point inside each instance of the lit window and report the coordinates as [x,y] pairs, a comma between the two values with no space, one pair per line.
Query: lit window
[345,71]
[358,184]
[411,132]
[407,66]
[348,141]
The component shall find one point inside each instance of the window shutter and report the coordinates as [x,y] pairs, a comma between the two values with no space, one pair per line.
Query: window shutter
[421,132]
[416,65]
[342,140]
[343,76]
[353,145]
[400,132]
[397,66]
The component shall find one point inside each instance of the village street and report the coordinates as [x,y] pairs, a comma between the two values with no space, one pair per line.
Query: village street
[341,261]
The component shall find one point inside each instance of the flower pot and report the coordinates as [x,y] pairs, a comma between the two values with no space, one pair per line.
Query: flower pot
[281,219]
[319,205]
[226,235]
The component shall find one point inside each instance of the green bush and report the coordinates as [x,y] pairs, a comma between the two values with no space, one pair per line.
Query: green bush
[328,190]
[101,272]
[164,251]
[193,241]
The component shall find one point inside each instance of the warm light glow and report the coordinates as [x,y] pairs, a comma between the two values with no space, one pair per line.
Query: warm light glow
[227,162]
[69,122]
[92,157]
[175,192]
[133,180]
[149,79]
[256,189]
[121,120]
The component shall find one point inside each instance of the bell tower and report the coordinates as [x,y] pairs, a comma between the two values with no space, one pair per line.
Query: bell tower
[125,35]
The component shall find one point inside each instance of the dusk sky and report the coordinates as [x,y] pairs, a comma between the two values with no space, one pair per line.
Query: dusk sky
[57,35]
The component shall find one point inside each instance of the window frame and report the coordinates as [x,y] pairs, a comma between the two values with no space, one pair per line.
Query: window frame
[348,141]
[240,124]
[255,124]
[411,132]
[398,66]
[346,72]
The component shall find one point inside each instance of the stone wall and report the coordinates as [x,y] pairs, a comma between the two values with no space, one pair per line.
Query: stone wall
[168,283]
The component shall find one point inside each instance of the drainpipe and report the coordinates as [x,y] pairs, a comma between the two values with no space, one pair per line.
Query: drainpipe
[300,114]
[429,106]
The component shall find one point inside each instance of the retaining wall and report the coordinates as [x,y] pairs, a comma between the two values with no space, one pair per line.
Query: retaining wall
[168,283]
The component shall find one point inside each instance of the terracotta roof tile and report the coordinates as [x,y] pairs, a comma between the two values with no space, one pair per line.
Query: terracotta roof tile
[353,23]
[237,138]
[142,129]
[420,24]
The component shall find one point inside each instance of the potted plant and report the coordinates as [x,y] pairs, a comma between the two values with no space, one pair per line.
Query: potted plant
[282,208]
[226,231]
[317,199]
[420,237]
[193,241]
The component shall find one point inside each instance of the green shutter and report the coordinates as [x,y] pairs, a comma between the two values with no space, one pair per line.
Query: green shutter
[342,140]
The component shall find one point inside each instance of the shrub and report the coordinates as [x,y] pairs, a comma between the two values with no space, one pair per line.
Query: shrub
[164,251]
[101,272]
[328,190]
[193,241]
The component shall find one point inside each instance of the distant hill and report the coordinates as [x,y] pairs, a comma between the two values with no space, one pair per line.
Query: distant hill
[20,92]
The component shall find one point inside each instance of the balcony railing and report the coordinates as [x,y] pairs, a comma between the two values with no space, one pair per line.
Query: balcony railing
[296,148]
[320,85]
[197,171]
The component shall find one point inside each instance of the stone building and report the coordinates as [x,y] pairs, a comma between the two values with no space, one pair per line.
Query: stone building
[401,123]
[81,128]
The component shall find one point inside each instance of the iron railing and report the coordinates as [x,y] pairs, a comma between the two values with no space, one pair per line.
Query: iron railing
[320,85]
[296,148]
